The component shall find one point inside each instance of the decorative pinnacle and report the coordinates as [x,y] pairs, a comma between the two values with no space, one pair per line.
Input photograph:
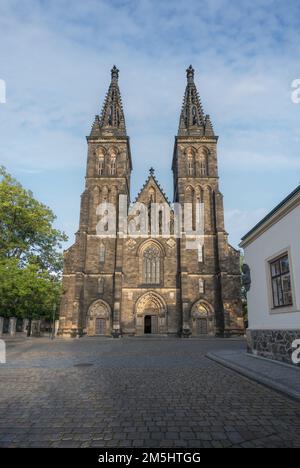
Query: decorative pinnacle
[190,74]
[151,171]
[114,73]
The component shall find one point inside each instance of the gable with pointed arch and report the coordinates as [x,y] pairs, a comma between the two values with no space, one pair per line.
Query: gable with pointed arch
[98,321]
[151,304]
[202,316]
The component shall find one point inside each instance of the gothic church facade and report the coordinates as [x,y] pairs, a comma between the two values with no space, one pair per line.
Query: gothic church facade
[151,285]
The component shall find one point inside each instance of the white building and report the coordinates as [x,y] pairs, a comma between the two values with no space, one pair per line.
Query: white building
[272,252]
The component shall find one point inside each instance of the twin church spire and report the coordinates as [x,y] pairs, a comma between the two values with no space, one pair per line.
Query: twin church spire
[112,120]
[192,120]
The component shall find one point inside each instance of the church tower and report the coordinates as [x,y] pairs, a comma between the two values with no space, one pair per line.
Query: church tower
[151,281]
[209,272]
[92,280]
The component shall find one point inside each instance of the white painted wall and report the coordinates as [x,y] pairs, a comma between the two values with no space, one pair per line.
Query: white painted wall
[284,234]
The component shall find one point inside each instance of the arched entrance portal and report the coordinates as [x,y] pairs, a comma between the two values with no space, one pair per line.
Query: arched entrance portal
[98,319]
[151,315]
[202,319]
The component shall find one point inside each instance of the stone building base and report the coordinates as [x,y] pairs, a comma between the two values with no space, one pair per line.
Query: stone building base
[273,344]
[70,333]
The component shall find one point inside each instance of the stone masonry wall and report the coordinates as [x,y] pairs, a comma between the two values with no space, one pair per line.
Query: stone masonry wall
[272,344]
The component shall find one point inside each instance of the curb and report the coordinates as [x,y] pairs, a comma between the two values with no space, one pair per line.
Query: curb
[282,389]
[278,363]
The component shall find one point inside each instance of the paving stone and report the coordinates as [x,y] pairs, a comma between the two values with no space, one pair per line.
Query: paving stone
[125,400]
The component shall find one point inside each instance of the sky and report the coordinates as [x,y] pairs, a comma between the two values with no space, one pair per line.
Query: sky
[56,56]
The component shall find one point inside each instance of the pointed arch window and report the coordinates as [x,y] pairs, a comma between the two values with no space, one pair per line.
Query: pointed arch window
[100,153]
[151,265]
[113,165]
[160,222]
[100,285]
[194,116]
[201,286]
[110,116]
[100,166]
[102,253]
[203,166]
[190,162]
[190,166]
[200,253]
[186,115]
[193,96]
[118,117]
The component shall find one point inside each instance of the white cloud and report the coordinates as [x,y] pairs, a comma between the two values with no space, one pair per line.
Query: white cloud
[56,62]
[244,160]
[241,221]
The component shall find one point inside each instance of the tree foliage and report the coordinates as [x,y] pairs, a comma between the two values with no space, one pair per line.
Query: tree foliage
[30,257]
[27,291]
[26,227]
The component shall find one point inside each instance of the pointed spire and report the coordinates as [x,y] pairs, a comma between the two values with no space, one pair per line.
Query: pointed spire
[190,74]
[209,130]
[112,120]
[192,120]
[114,74]
[95,131]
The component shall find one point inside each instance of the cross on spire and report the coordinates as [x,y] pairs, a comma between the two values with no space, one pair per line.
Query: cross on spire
[114,74]
[190,74]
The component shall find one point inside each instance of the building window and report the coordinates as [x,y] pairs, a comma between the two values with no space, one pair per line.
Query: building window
[100,285]
[201,286]
[113,166]
[151,265]
[281,282]
[160,222]
[203,166]
[100,167]
[102,253]
[200,253]
[194,115]
[190,166]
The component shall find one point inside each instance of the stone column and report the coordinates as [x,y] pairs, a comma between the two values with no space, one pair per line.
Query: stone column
[207,209]
[12,326]
[186,331]
[36,328]
[116,321]
[116,325]
[56,327]
[1,325]
[25,325]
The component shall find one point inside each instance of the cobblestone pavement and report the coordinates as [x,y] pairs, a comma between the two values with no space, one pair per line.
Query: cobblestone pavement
[136,393]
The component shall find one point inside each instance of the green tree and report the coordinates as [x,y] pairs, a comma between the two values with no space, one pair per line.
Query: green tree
[30,253]
[27,291]
[26,227]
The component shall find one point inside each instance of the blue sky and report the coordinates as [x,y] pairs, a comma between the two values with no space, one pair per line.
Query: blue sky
[56,58]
